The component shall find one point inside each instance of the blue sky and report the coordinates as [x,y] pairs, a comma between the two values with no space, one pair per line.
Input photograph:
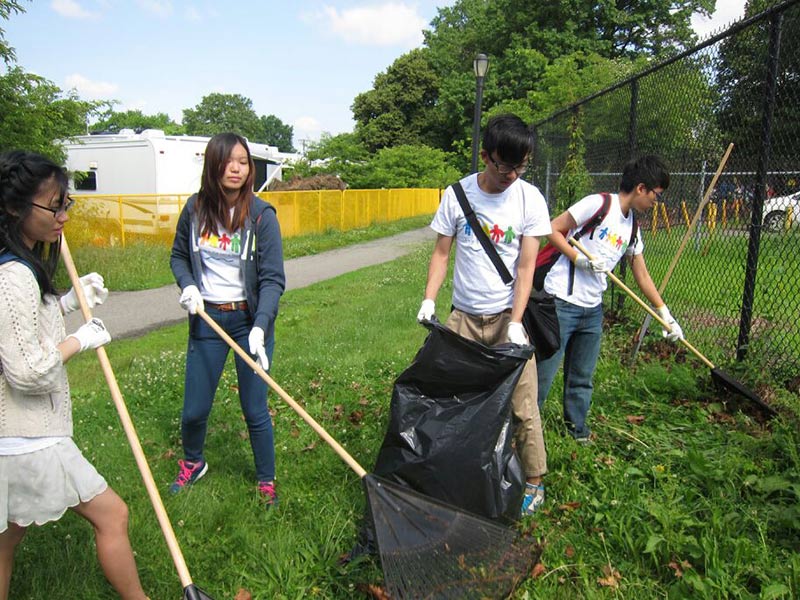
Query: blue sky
[302,61]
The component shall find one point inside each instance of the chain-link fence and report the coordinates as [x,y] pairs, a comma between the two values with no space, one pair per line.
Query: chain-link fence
[736,287]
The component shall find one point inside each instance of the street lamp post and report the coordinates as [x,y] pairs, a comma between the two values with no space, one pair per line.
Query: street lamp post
[480,65]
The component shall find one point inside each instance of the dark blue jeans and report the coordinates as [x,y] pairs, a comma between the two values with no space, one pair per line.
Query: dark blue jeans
[205,359]
[580,329]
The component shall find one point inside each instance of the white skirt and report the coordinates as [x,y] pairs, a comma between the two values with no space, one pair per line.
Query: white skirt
[39,487]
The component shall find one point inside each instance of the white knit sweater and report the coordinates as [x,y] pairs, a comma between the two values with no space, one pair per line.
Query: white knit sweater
[34,392]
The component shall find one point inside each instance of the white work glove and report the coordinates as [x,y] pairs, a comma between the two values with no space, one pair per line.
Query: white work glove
[598,265]
[191,299]
[426,310]
[675,333]
[256,342]
[92,334]
[93,288]
[516,334]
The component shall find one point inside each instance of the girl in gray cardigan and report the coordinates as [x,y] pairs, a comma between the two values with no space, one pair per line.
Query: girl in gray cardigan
[42,471]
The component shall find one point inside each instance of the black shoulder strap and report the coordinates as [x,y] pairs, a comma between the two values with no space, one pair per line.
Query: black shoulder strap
[491,251]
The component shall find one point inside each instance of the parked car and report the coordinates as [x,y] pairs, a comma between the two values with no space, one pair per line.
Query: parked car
[776,209]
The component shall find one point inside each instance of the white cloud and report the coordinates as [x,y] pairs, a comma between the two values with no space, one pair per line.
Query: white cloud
[158,8]
[387,24]
[71,9]
[726,13]
[192,14]
[87,88]
[306,128]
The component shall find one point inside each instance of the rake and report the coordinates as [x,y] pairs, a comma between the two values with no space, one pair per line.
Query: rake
[190,590]
[721,378]
[427,548]
[686,236]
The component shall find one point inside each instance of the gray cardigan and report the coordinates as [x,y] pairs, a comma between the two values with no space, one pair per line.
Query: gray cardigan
[260,261]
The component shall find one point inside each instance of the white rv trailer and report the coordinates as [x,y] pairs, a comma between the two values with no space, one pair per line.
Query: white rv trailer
[158,167]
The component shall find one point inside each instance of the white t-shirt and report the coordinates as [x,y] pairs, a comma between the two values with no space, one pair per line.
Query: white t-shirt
[610,241]
[518,211]
[222,277]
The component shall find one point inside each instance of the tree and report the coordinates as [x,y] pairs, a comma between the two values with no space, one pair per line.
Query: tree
[114,122]
[35,114]
[218,113]
[522,39]
[397,110]
[276,133]
[405,166]
[743,73]
[6,8]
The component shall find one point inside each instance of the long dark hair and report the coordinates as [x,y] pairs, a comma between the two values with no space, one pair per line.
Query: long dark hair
[22,175]
[212,206]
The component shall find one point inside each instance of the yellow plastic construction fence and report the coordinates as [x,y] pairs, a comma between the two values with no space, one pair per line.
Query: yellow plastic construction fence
[120,219]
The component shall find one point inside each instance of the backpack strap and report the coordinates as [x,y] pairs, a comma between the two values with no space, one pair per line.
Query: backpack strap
[488,247]
[589,228]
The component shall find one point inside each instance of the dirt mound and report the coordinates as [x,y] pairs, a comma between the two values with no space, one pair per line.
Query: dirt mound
[315,182]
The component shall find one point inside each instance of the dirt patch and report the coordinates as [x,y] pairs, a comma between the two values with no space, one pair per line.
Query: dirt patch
[315,182]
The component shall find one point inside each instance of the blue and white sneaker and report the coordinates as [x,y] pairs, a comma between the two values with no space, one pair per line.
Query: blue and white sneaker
[534,499]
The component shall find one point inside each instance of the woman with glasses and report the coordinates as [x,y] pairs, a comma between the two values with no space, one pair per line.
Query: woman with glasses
[42,471]
[227,259]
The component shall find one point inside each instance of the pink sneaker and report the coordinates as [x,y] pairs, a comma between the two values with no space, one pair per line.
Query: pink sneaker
[188,474]
[268,493]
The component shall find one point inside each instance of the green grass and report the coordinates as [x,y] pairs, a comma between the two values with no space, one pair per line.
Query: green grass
[705,293]
[682,495]
[142,265]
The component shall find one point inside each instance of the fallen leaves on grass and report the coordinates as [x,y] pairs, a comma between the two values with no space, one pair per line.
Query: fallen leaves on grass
[569,552]
[243,594]
[377,592]
[679,567]
[635,419]
[537,570]
[569,506]
[611,577]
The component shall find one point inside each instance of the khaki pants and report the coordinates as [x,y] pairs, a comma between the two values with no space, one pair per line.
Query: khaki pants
[490,330]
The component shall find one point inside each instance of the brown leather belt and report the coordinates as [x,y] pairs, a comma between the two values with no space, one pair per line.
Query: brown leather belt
[227,306]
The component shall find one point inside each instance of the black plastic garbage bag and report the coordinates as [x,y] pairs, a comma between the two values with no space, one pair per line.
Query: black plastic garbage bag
[451,430]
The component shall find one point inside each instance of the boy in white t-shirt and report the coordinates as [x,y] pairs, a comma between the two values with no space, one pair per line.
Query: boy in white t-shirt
[578,283]
[514,214]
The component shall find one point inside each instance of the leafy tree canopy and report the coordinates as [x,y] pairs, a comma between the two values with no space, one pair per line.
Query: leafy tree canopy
[277,133]
[6,8]
[114,122]
[397,109]
[218,113]
[428,95]
[35,114]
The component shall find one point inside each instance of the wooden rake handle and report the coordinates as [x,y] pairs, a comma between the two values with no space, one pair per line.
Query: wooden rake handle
[696,218]
[130,430]
[641,303]
[343,454]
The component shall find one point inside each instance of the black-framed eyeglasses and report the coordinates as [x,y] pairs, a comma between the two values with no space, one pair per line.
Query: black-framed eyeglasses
[505,169]
[57,211]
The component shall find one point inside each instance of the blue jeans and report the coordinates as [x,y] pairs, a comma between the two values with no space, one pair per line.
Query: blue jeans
[205,359]
[580,329]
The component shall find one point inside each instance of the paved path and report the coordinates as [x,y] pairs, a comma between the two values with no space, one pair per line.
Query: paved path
[130,314]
